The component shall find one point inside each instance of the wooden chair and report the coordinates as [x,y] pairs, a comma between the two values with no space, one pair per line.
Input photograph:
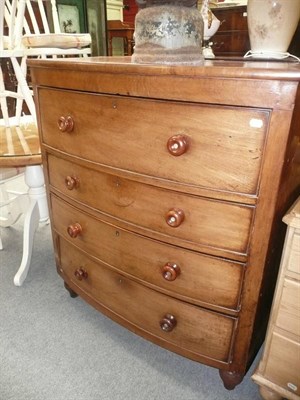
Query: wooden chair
[116,28]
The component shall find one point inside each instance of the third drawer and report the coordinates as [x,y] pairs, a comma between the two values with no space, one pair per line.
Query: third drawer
[188,275]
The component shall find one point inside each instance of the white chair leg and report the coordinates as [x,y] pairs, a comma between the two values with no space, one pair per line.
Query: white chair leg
[30,226]
[37,212]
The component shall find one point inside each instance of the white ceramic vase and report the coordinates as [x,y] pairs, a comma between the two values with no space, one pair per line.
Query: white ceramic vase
[271,25]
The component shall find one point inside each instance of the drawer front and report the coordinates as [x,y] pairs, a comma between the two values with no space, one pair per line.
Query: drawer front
[210,223]
[222,146]
[197,331]
[282,365]
[294,264]
[182,273]
[289,308]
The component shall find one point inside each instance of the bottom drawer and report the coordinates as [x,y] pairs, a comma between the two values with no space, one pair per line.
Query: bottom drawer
[282,366]
[179,326]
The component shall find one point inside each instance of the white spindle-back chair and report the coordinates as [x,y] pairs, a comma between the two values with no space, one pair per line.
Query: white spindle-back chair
[46,39]
[11,19]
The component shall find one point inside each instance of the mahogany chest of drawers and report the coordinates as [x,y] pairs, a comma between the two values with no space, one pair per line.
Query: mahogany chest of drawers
[167,186]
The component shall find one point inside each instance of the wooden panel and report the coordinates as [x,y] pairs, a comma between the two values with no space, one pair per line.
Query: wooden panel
[231,43]
[232,38]
[143,259]
[232,19]
[225,144]
[289,308]
[197,331]
[283,363]
[208,222]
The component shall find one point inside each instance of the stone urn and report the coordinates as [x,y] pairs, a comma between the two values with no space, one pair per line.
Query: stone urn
[168,32]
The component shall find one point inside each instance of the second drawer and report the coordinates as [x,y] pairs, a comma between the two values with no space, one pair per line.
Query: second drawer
[173,215]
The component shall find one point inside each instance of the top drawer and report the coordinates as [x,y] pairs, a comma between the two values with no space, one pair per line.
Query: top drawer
[222,146]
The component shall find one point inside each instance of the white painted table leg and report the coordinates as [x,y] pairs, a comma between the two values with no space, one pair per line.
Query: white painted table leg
[37,212]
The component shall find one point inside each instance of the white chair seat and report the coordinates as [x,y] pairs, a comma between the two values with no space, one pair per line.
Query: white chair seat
[57,40]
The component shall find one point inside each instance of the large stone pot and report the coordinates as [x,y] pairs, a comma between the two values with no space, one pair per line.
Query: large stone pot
[168,33]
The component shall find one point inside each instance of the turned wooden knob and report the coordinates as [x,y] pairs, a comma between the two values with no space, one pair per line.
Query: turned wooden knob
[170,271]
[178,145]
[168,323]
[74,230]
[71,182]
[80,274]
[65,124]
[174,217]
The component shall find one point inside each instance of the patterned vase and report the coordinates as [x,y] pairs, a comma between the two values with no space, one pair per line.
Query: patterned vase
[271,25]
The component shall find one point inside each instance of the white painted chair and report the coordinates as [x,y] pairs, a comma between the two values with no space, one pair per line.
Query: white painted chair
[41,39]
[47,39]
[11,18]
[20,147]
[12,202]
[21,43]
[14,198]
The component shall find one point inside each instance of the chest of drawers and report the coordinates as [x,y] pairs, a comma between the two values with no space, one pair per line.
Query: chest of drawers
[166,187]
[278,370]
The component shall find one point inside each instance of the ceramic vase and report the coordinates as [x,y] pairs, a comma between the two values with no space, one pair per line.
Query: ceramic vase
[271,25]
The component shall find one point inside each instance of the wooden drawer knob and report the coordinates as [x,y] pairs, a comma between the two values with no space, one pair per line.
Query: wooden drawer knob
[74,230]
[80,274]
[71,182]
[65,124]
[178,145]
[174,217]
[168,323]
[170,271]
